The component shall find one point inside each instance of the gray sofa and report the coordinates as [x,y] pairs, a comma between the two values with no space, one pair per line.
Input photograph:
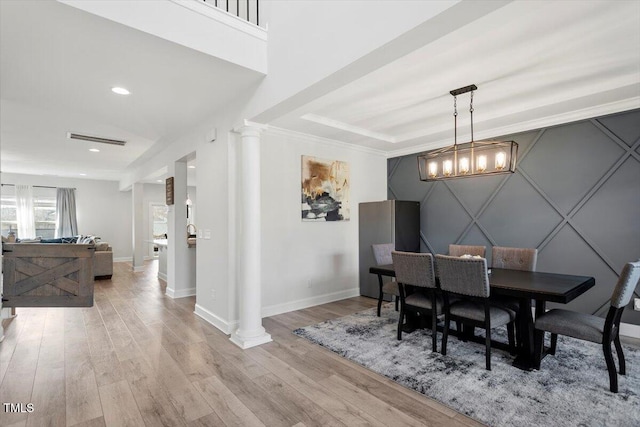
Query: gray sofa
[103,261]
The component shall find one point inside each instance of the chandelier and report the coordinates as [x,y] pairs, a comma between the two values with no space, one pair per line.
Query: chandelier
[475,158]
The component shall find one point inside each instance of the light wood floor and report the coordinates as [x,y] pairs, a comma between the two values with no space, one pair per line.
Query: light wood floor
[138,357]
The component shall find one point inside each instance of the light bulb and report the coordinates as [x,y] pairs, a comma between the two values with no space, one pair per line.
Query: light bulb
[482,163]
[433,169]
[464,165]
[501,160]
[447,168]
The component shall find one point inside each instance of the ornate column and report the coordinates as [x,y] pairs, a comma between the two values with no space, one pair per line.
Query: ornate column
[250,332]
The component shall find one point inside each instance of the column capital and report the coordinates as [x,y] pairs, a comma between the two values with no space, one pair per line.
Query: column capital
[249,128]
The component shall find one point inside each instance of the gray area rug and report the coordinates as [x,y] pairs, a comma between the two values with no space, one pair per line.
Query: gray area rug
[571,388]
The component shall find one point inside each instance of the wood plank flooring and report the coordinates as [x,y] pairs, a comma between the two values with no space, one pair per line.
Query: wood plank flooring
[139,358]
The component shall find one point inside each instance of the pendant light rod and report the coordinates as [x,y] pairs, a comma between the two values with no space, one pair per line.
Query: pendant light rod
[462,90]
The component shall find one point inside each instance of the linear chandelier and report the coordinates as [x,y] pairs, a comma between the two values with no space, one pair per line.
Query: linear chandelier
[475,158]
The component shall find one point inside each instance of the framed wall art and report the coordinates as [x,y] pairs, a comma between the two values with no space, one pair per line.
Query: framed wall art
[325,190]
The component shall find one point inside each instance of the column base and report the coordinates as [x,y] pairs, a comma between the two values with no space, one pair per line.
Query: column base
[248,342]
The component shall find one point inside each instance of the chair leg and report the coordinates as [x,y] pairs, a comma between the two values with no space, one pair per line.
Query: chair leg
[434,329]
[623,369]
[487,350]
[445,334]
[538,343]
[554,344]
[611,367]
[400,321]
[396,298]
[379,302]
[511,332]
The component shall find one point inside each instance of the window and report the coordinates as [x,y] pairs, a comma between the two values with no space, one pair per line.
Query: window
[44,211]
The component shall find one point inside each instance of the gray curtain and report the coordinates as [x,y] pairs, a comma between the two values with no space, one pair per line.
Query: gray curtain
[66,223]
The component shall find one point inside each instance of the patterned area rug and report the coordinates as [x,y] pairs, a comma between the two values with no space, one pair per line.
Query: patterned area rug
[571,389]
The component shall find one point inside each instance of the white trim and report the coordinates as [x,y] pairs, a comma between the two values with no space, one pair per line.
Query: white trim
[182,293]
[138,269]
[325,121]
[223,325]
[162,276]
[309,302]
[326,141]
[224,17]
[544,122]
[245,343]
[123,259]
[629,330]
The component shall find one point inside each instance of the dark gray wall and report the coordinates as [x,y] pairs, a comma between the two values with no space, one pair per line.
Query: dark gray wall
[575,196]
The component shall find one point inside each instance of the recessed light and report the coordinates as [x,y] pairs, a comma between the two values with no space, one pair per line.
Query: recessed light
[191,167]
[82,174]
[120,90]
[94,150]
[158,180]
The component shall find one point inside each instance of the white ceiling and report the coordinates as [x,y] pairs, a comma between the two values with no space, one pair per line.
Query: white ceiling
[535,63]
[58,65]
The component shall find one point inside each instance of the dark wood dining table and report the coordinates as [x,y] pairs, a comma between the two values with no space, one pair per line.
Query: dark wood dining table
[526,286]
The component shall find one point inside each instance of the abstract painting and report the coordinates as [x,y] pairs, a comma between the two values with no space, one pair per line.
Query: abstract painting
[325,190]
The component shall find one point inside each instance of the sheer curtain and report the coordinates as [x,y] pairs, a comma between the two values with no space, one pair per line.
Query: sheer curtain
[66,223]
[24,212]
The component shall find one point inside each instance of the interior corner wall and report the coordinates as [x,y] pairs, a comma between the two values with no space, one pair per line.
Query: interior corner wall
[309,263]
[575,196]
[102,209]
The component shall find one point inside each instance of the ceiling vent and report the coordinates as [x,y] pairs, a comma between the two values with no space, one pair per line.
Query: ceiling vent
[90,138]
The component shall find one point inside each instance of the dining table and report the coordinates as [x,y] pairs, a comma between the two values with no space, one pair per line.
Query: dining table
[525,287]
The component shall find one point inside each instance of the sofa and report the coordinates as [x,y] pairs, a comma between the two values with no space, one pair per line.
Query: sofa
[103,257]
[103,261]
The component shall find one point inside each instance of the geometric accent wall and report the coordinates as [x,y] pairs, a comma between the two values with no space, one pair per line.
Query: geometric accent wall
[575,196]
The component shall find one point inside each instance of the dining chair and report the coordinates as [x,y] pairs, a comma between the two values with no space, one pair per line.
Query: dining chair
[592,328]
[382,255]
[417,270]
[459,250]
[524,259]
[467,279]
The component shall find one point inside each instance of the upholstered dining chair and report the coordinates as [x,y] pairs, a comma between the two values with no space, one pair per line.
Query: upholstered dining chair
[467,279]
[417,270]
[382,255]
[459,250]
[524,259]
[592,328]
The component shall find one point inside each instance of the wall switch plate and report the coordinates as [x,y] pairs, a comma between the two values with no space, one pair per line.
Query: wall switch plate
[207,234]
[636,304]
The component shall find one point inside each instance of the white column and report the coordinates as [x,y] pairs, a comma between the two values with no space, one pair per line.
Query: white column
[250,332]
[137,236]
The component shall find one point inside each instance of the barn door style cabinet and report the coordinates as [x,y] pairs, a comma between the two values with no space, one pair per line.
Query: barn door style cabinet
[47,275]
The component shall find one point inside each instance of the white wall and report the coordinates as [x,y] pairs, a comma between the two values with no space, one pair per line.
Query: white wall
[102,209]
[309,263]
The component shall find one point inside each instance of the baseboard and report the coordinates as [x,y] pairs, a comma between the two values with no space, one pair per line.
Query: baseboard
[226,327]
[286,307]
[138,269]
[629,330]
[162,276]
[123,259]
[182,293]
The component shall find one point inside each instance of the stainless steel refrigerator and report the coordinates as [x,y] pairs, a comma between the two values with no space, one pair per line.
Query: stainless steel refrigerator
[388,221]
